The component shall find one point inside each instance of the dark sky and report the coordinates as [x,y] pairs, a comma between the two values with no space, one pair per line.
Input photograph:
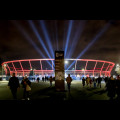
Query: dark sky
[14,45]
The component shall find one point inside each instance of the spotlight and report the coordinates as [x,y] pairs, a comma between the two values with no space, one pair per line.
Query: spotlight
[66,62]
[68,35]
[92,42]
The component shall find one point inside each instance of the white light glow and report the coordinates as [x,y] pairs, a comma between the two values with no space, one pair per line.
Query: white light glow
[5,65]
[66,62]
[78,75]
[66,75]
[83,69]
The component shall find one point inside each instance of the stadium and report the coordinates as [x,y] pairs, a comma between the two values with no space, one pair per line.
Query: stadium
[45,67]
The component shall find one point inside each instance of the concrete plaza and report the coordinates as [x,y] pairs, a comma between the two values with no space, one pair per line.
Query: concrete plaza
[43,92]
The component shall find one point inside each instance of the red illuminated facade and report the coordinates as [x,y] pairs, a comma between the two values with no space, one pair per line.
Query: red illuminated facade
[40,67]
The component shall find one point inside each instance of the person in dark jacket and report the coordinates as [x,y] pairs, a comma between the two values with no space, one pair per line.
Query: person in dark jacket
[14,85]
[43,79]
[24,83]
[69,80]
[90,81]
[83,81]
[99,79]
[51,80]
[38,79]
[111,87]
[106,79]
[118,87]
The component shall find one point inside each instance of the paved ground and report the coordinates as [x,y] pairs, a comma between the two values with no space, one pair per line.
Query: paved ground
[42,91]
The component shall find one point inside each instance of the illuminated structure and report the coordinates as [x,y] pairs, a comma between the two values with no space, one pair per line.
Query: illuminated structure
[41,67]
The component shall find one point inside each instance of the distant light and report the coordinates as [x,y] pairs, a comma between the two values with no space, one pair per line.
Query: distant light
[117,65]
[66,75]
[66,62]
[78,75]
[83,69]
[73,68]
[5,65]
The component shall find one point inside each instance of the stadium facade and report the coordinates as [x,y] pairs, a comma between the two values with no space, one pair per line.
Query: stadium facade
[45,67]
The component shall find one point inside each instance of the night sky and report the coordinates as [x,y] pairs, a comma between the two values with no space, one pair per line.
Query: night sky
[14,45]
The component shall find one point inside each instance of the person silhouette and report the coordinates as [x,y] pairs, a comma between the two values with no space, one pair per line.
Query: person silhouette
[68,80]
[14,85]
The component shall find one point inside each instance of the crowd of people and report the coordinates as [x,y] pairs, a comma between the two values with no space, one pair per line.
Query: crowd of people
[96,82]
[14,85]
[112,85]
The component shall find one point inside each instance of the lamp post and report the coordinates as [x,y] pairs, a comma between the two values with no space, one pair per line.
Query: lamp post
[66,62]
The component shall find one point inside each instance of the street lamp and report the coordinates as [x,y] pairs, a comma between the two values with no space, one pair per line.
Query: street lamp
[66,62]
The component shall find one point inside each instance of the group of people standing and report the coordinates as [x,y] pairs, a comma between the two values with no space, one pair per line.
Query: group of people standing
[113,87]
[14,85]
[90,81]
[44,79]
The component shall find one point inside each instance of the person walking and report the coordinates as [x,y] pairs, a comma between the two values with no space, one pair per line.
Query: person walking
[111,87]
[69,80]
[99,79]
[90,81]
[94,82]
[43,79]
[118,87]
[106,79]
[83,81]
[13,84]
[87,81]
[47,78]
[51,80]
[38,79]
[26,86]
